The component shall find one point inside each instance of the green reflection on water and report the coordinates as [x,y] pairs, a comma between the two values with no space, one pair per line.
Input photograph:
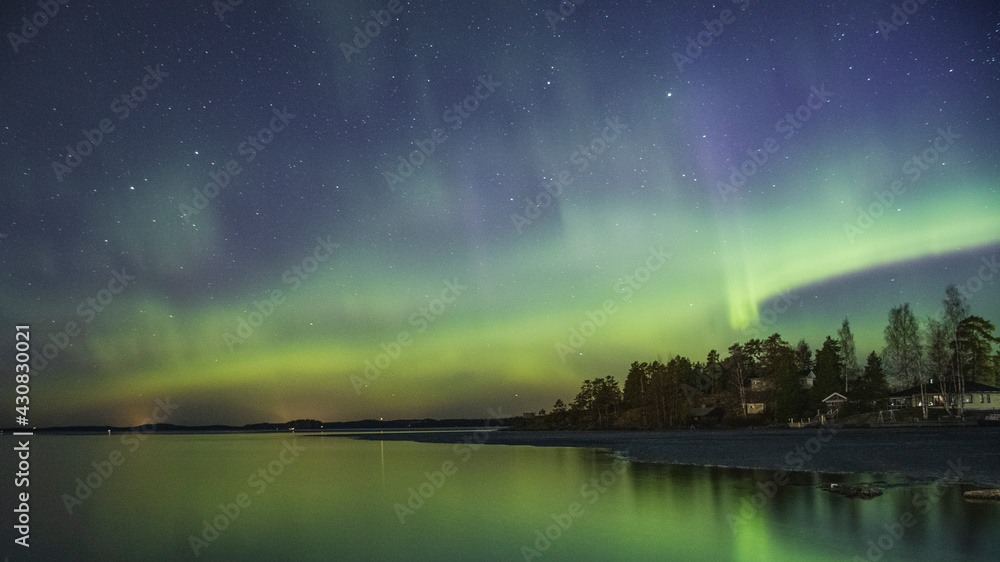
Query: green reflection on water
[335,498]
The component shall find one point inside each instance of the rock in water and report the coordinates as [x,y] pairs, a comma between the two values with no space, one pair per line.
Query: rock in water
[982,495]
[863,492]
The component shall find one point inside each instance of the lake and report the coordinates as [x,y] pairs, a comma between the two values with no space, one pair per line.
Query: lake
[307,497]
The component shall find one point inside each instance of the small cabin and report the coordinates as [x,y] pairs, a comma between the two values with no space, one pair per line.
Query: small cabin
[833,403]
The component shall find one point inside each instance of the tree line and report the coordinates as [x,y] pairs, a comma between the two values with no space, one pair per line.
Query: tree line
[770,380]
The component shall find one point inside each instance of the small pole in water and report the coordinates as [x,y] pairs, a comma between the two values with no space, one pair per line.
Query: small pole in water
[383,462]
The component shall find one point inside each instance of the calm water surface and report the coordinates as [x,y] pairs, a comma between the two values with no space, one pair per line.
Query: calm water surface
[336,498]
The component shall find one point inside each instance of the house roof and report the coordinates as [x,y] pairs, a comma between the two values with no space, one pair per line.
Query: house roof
[835,397]
[935,388]
[705,411]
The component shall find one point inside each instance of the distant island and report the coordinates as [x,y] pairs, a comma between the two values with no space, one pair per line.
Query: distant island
[294,425]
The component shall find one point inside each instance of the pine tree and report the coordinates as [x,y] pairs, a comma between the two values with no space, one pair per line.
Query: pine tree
[828,369]
[636,383]
[976,339]
[874,390]
[780,366]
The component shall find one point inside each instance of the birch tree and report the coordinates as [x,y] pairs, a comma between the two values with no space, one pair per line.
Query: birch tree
[903,351]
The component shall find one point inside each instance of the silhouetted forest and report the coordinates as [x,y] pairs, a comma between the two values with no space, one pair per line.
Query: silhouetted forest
[771,381]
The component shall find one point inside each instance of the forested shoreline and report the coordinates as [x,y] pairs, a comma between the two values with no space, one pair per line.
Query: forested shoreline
[769,381]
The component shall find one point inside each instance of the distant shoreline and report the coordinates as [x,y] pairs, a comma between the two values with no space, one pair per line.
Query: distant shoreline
[266,427]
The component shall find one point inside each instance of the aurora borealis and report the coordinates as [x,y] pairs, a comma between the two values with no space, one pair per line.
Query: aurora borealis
[413,209]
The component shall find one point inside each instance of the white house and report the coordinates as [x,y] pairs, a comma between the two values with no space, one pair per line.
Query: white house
[808,380]
[978,397]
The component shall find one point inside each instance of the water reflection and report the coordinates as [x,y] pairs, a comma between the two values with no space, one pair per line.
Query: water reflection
[339,498]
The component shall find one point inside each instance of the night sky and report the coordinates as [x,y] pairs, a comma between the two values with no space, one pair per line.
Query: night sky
[480,205]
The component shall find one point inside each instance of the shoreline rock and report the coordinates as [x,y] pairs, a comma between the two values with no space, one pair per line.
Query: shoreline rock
[859,492]
[982,495]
